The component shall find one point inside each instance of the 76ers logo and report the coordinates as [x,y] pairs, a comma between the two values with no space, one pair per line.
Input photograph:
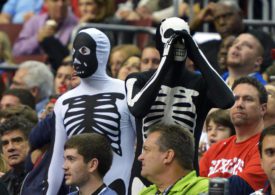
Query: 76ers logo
[226,167]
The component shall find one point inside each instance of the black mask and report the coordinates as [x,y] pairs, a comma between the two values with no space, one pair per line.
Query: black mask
[84,55]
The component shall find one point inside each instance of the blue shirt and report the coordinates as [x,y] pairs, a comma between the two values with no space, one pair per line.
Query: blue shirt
[255,75]
[18,8]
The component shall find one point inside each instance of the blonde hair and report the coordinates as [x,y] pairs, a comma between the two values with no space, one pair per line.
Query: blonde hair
[5,53]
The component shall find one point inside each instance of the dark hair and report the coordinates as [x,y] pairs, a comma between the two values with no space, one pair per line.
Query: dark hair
[221,117]
[19,111]
[23,95]
[267,131]
[16,123]
[93,145]
[179,139]
[255,83]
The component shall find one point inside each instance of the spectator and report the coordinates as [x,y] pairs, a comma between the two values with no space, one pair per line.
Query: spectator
[237,157]
[47,33]
[19,111]
[13,97]
[15,147]
[155,10]
[119,54]
[63,77]
[5,49]
[266,148]
[131,65]
[167,161]
[102,103]
[223,51]
[150,58]
[172,94]
[269,117]
[218,127]
[88,157]
[94,11]
[38,79]
[244,58]
[15,11]
[228,20]
[5,58]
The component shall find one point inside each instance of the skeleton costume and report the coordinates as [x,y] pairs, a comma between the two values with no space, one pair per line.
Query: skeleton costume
[172,94]
[97,105]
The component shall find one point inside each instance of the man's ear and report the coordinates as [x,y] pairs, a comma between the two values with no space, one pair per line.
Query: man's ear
[92,165]
[35,92]
[264,108]
[169,156]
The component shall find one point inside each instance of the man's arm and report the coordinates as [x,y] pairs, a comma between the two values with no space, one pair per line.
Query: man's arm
[142,92]
[27,43]
[223,96]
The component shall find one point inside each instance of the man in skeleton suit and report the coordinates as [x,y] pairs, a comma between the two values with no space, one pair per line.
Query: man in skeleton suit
[172,94]
[97,105]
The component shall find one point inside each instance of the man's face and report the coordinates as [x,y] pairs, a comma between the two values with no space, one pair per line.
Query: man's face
[57,9]
[18,79]
[227,21]
[8,101]
[268,157]
[87,7]
[15,147]
[247,109]
[271,100]
[152,158]
[150,59]
[245,53]
[84,55]
[63,78]
[76,170]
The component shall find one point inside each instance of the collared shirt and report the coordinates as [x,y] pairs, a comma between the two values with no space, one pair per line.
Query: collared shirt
[188,185]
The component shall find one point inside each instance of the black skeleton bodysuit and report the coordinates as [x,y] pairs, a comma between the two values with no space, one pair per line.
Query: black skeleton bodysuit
[172,94]
[97,105]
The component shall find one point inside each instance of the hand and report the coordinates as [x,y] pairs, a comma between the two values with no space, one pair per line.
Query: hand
[207,14]
[88,17]
[45,31]
[27,16]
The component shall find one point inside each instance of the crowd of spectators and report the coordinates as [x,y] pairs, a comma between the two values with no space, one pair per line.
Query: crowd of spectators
[238,63]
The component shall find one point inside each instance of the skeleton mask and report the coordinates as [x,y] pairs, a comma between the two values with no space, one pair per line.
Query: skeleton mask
[84,55]
[167,29]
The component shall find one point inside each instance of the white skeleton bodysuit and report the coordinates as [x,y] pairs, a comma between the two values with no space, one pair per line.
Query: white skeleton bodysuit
[97,105]
[172,94]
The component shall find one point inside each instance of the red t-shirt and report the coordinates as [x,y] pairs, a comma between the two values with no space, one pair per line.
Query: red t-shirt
[227,158]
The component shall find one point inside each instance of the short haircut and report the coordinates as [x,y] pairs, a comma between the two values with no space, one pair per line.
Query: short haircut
[39,75]
[255,83]
[93,145]
[25,96]
[19,111]
[221,117]
[233,4]
[267,131]
[179,139]
[16,123]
